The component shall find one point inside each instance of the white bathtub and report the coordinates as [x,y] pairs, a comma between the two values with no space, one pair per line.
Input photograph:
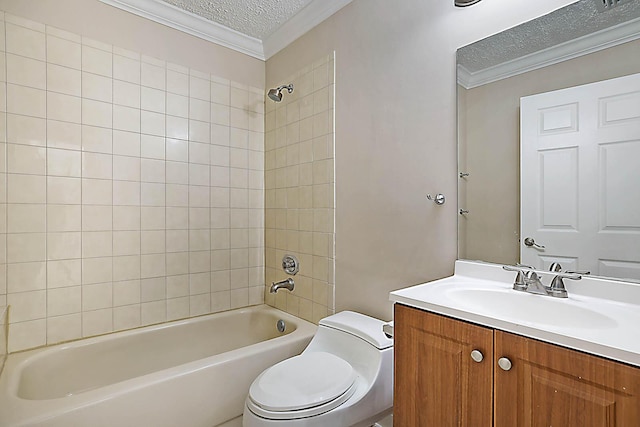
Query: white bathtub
[189,373]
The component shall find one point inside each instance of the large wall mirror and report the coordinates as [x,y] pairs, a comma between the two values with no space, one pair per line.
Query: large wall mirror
[581,45]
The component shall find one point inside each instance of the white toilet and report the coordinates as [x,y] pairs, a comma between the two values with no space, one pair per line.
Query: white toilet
[343,378]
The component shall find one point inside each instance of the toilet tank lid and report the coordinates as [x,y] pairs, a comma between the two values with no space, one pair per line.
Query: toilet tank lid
[364,327]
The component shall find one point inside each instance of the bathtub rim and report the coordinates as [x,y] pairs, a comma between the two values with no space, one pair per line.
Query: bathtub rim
[49,408]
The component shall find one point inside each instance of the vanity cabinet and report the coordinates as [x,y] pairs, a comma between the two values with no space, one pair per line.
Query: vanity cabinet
[439,383]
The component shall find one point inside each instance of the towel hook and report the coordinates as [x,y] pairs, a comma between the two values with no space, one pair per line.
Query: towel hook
[438,199]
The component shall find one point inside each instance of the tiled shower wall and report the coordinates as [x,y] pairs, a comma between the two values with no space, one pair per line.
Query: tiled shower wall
[131,189]
[300,189]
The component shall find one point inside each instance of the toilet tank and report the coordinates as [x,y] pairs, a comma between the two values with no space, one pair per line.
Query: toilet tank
[364,327]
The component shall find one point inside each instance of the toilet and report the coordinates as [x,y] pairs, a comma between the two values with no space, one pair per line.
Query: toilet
[343,378]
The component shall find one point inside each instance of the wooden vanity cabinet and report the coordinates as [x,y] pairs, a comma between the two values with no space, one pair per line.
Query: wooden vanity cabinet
[437,383]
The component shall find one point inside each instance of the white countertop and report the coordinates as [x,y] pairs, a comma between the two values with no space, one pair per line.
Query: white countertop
[601,316]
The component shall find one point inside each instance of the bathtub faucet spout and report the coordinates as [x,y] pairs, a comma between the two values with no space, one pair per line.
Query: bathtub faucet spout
[286,284]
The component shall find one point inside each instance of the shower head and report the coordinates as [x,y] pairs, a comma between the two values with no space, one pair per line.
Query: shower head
[276,94]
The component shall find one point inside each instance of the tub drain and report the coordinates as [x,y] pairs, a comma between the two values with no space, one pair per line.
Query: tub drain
[281,325]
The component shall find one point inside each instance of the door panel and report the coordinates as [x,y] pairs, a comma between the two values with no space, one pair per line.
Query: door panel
[579,172]
[436,381]
[553,386]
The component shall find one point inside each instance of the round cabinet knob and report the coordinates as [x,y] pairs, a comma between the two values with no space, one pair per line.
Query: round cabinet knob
[477,356]
[504,363]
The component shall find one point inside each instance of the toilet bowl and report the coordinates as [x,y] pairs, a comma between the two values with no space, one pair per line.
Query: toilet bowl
[344,378]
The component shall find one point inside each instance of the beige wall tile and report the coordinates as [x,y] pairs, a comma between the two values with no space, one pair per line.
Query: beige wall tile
[28,334]
[25,41]
[64,328]
[96,113]
[96,165]
[64,135]
[65,108]
[26,188]
[62,246]
[97,322]
[25,306]
[152,242]
[97,270]
[153,99]
[152,123]
[126,143]
[126,267]
[63,80]
[126,69]
[177,105]
[97,191]
[126,94]
[177,83]
[97,61]
[28,276]
[97,87]
[26,101]
[97,218]
[126,118]
[97,139]
[153,76]
[26,218]
[63,190]
[26,130]
[126,193]
[126,218]
[26,72]
[26,159]
[126,292]
[126,243]
[63,163]
[152,147]
[63,273]
[126,317]
[112,187]
[97,244]
[63,52]
[63,301]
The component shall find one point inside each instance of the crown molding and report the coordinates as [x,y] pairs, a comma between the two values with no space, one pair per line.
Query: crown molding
[313,14]
[189,23]
[603,39]
[174,17]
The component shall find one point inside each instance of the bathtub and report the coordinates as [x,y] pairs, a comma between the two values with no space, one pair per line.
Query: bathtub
[189,373]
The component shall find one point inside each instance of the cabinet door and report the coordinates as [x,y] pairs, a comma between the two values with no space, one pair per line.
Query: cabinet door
[437,383]
[549,385]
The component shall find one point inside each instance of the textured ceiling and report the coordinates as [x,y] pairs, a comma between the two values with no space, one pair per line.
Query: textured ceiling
[575,20]
[255,18]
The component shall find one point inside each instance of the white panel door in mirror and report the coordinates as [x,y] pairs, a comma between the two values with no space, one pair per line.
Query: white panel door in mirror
[578,147]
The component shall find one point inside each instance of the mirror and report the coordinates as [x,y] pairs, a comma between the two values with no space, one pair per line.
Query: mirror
[582,43]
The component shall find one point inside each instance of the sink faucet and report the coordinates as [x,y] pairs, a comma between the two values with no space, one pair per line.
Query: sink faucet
[529,281]
[286,284]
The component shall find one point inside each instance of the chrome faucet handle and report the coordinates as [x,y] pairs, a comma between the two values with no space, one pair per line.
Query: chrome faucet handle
[557,288]
[583,273]
[519,282]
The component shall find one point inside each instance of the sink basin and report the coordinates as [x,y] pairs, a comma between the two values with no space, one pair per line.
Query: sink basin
[529,308]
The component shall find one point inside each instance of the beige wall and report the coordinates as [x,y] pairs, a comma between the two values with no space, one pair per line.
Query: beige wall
[108,24]
[491,135]
[132,188]
[396,134]
[299,190]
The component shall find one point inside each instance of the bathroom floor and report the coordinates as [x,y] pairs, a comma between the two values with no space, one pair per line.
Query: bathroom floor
[385,422]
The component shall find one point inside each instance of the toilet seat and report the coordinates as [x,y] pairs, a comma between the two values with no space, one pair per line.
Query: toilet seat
[302,386]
